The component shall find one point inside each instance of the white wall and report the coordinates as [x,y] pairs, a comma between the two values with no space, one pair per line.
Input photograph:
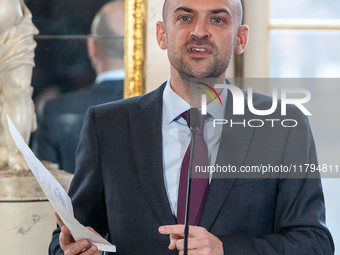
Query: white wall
[256,66]
[256,54]
[157,63]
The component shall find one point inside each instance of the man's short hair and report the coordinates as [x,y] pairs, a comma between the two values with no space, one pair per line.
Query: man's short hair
[239,10]
[110,43]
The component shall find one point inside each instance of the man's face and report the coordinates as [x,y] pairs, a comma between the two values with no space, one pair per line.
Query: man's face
[201,36]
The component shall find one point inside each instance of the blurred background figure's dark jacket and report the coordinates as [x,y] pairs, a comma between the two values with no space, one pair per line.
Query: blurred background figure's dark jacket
[61,119]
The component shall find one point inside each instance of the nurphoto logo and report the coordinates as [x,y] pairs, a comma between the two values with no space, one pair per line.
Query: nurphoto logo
[274,112]
[238,100]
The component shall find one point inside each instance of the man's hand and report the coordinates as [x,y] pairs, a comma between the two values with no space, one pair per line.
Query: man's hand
[200,241]
[70,246]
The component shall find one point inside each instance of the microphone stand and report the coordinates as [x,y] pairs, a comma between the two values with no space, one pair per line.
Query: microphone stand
[193,130]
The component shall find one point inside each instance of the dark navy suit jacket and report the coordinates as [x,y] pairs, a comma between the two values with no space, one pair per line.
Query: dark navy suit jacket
[60,121]
[118,187]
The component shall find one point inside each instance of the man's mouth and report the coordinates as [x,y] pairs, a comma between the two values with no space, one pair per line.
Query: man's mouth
[198,50]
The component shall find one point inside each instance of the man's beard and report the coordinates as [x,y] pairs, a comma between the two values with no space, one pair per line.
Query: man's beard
[213,69]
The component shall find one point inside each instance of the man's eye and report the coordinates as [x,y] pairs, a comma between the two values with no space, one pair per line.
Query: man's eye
[185,18]
[217,20]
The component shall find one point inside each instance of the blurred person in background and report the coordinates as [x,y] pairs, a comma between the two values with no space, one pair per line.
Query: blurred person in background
[60,119]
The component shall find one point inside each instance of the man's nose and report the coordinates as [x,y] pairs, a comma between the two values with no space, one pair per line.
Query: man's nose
[200,30]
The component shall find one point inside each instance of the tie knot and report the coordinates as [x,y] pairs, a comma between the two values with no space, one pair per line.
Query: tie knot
[203,119]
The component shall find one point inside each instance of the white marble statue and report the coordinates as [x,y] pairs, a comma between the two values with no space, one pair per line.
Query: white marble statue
[16,63]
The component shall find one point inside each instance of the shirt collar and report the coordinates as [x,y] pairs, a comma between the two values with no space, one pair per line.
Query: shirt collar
[174,105]
[111,75]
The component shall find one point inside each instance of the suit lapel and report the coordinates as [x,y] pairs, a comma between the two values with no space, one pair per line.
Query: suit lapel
[146,135]
[233,147]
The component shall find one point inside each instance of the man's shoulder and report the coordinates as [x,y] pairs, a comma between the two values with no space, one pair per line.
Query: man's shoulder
[64,101]
[259,100]
[265,102]
[80,100]
[151,99]
[122,105]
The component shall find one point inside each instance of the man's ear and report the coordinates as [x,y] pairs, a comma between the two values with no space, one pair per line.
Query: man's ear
[92,50]
[242,39]
[161,35]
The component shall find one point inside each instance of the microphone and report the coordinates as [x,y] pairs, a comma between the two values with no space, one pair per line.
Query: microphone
[194,118]
[194,122]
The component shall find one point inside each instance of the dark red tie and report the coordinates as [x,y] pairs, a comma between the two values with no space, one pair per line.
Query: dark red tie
[199,185]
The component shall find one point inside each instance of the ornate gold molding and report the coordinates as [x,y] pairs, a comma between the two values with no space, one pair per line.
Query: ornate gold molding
[134,56]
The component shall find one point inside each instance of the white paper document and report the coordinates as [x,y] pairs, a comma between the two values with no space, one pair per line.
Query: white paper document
[57,195]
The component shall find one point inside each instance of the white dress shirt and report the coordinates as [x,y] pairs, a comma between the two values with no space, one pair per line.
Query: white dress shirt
[176,138]
[111,75]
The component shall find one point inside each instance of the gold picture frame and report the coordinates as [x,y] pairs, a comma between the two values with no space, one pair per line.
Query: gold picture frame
[135,47]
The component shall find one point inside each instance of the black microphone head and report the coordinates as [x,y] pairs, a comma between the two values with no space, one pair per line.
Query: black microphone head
[194,118]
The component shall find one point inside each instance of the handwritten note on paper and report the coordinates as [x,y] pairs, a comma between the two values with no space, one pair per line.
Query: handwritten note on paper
[56,194]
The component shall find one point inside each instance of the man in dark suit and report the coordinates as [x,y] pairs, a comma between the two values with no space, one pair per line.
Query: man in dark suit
[124,190]
[60,119]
